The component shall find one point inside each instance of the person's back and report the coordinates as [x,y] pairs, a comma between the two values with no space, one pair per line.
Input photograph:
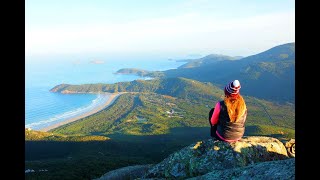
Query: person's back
[227,118]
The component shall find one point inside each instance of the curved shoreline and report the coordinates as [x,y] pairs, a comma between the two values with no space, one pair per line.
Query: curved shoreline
[112,98]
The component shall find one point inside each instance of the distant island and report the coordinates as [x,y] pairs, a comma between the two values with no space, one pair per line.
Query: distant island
[140,72]
[97,62]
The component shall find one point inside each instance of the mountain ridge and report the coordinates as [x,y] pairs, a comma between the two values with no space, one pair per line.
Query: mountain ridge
[258,73]
[208,59]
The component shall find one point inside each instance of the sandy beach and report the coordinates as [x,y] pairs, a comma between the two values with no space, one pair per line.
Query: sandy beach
[113,97]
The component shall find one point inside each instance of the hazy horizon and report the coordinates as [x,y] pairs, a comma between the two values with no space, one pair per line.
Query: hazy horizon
[173,29]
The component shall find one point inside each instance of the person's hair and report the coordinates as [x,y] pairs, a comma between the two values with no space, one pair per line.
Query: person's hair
[236,107]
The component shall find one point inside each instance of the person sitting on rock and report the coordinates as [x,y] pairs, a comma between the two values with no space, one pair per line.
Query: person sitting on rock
[227,119]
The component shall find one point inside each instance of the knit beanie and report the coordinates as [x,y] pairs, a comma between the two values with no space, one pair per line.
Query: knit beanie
[233,88]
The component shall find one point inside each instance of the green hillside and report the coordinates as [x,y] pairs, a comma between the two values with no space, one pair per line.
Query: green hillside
[156,106]
[31,135]
[179,87]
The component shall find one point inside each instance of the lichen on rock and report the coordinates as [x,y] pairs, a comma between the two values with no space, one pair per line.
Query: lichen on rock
[211,155]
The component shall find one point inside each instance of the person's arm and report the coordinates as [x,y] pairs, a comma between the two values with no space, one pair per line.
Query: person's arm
[215,115]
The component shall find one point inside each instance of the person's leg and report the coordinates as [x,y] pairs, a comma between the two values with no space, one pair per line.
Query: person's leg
[212,130]
[210,115]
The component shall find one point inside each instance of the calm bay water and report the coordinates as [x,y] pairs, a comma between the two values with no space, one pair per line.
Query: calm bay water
[44,108]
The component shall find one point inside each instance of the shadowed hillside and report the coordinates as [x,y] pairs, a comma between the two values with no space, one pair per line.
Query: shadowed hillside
[92,159]
[258,74]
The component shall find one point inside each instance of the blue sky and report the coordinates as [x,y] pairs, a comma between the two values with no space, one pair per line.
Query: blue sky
[173,27]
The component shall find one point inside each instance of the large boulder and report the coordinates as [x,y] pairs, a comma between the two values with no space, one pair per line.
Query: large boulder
[271,170]
[213,155]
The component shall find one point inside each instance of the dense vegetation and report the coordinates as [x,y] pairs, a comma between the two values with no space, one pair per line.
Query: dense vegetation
[178,87]
[149,111]
[31,135]
[91,159]
[156,106]
[149,114]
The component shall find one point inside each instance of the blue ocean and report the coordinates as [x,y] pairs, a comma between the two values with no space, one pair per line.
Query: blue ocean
[44,108]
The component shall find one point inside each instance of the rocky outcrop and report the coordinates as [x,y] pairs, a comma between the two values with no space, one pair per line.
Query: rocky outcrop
[207,156]
[252,157]
[59,88]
